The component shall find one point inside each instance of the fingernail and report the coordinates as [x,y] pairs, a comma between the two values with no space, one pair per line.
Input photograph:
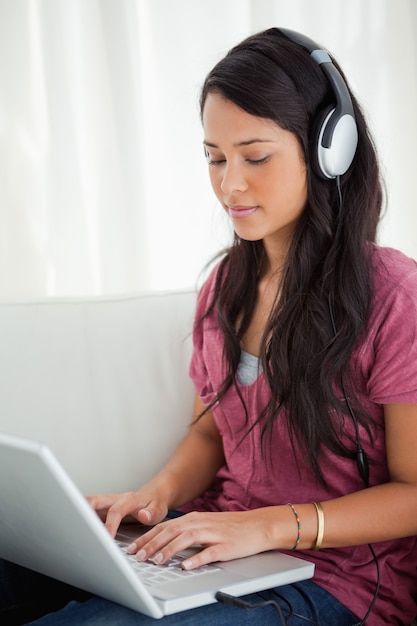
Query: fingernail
[158,558]
[132,549]
[141,555]
[187,564]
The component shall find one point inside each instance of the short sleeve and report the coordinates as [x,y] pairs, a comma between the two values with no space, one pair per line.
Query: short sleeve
[392,344]
[199,367]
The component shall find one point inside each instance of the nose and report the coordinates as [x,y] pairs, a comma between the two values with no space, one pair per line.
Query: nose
[233,179]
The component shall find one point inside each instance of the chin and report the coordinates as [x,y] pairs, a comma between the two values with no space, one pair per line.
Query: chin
[245,236]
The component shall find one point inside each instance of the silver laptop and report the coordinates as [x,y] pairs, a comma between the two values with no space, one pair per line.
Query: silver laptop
[47,525]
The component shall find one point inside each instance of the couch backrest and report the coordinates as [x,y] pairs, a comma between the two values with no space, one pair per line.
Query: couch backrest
[103,381]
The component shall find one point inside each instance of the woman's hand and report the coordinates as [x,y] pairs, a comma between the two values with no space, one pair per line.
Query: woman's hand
[148,505]
[222,535]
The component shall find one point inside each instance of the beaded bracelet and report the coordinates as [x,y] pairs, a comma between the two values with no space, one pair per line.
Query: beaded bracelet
[298,526]
[320,525]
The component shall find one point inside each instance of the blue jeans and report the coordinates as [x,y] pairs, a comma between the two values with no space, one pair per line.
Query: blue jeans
[26,596]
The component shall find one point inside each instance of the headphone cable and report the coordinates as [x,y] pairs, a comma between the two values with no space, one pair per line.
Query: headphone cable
[361,457]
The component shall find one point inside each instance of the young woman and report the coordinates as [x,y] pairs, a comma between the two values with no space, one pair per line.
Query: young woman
[305,362]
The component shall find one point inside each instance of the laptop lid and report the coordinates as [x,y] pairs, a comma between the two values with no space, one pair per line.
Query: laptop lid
[47,525]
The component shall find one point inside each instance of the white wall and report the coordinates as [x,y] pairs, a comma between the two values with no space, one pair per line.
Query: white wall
[103,184]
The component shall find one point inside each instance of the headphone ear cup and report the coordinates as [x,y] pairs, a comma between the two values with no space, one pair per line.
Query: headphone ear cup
[317,131]
[335,139]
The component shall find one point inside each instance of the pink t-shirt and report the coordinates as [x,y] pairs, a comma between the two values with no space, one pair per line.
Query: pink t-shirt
[385,366]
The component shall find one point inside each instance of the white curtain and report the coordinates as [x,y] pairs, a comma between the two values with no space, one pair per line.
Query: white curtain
[103,184]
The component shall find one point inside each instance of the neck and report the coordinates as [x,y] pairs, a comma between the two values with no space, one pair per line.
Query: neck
[276,255]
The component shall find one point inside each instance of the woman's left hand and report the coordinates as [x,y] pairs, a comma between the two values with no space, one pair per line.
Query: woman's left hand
[222,536]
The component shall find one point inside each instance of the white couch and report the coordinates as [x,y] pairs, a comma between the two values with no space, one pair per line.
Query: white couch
[103,381]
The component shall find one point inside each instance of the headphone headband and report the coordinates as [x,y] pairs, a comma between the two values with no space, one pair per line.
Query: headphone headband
[337,131]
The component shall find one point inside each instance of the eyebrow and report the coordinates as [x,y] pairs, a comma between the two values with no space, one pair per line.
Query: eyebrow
[240,143]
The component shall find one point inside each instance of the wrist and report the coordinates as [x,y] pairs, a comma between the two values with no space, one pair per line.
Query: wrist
[162,488]
[293,526]
[173,489]
[308,526]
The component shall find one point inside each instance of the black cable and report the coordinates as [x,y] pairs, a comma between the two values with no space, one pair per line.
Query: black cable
[378,583]
[291,612]
[361,458]
[339,191]
[229,600]
[363,468]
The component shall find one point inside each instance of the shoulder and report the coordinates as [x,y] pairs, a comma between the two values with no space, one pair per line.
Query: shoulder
[394,281]
[393,306]
[206,293]
[388,354]
[391,268]
[207,359]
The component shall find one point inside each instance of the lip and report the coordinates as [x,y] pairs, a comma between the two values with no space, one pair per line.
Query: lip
[239,212]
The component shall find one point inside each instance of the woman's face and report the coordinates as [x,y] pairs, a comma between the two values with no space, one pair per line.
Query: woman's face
[257,171]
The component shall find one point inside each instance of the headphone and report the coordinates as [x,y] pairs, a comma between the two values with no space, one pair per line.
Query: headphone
[336,133]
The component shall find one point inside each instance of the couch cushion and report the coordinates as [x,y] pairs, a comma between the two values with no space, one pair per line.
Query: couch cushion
[103,381]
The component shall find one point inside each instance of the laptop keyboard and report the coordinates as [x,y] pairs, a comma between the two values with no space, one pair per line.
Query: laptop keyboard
[152,574]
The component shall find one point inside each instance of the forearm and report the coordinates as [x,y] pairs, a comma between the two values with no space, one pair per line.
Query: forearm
[376,514]
[189,472]
[194,464]
[380,513]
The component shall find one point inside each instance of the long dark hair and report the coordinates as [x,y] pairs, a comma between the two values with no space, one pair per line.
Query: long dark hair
[326,286]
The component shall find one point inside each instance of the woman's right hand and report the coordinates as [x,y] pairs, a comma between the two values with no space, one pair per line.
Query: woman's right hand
[147,505]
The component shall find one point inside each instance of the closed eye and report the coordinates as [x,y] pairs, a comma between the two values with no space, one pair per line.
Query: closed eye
[258,161]
[211,161]
[250,161]
[216,161]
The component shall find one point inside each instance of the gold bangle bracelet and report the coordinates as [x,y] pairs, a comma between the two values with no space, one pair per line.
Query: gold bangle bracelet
[320,525]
